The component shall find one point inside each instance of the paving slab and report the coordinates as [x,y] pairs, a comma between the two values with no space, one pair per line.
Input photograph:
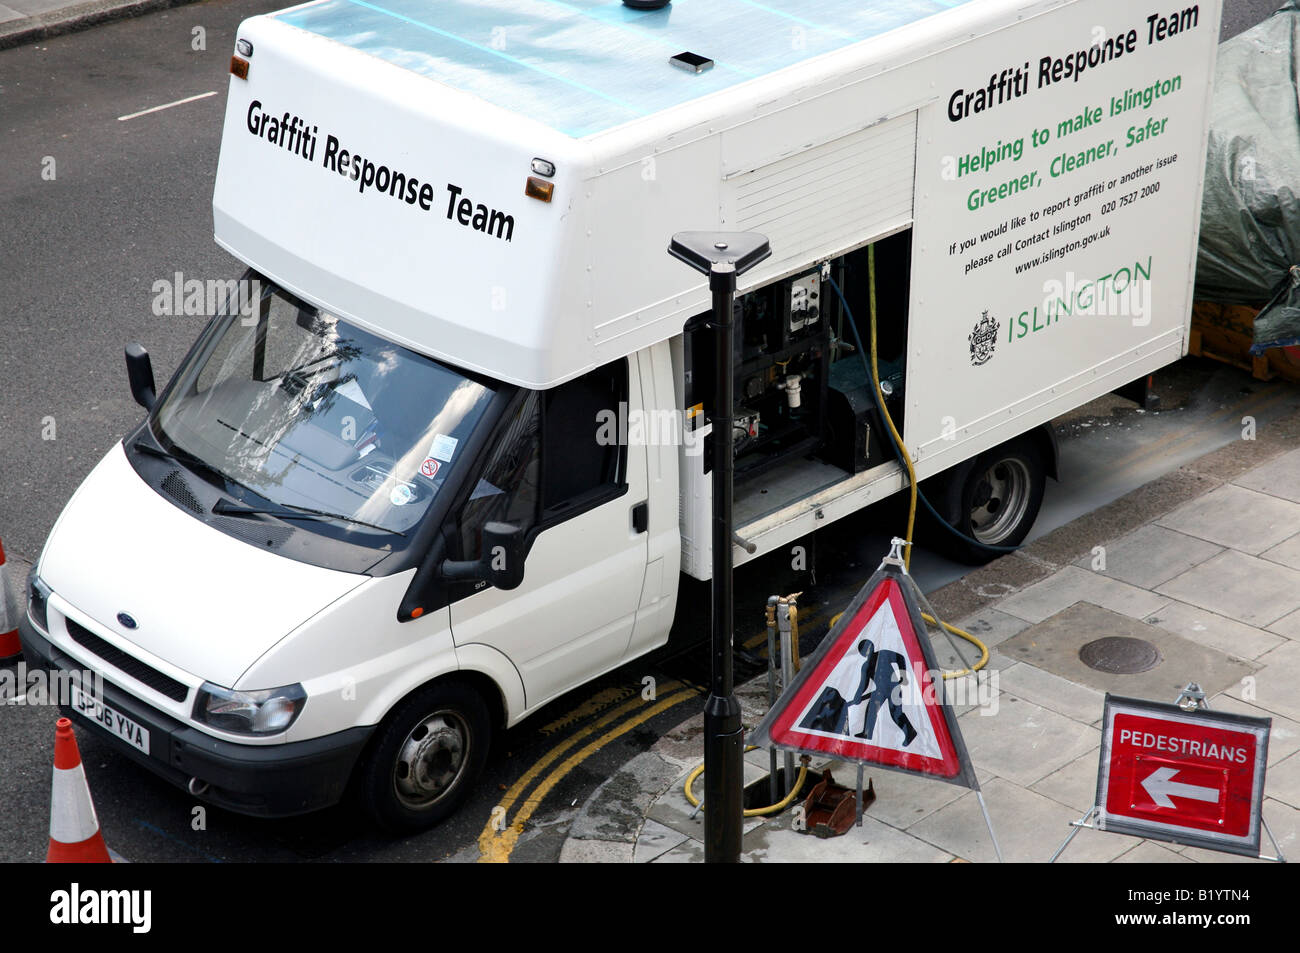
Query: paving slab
[991,626]
[872,843]
[615,810]
[1149,852]
[672,810]
[25,21]
[576,851]
[1288,626]
[901,799]
[1274,686]
[687,852]
[1024,742]
[1064,697]
[1053,645]
[1149,556]
[1282,781]
[1279,477]
[33,7]
[1072,584]
[1090,846]
[1239,586]
[1239,518]
[1283,740]
[1286,552]
[1029,828]
[1218,632]
[1074,785]
[655,839]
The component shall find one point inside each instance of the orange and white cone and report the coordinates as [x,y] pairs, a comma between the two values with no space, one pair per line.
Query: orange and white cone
[9,609]
[74,828]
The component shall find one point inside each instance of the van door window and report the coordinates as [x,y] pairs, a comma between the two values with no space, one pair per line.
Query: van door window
[579,460]
[554,459]
[509,490]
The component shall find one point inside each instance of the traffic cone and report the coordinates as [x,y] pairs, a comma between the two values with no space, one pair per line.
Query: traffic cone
[9,609]
[74,828]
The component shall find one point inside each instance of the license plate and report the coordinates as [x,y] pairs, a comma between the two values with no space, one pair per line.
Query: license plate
[111,719]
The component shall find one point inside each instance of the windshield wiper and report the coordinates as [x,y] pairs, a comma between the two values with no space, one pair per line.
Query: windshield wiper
[178,455]
[142,447]
[288,511]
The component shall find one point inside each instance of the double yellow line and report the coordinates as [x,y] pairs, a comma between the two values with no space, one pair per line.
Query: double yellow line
[498,839]
[501,834]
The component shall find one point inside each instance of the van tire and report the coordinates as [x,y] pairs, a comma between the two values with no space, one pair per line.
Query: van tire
[993,498]
[426,757]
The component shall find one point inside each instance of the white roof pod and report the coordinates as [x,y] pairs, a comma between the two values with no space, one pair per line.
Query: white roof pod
[374,161]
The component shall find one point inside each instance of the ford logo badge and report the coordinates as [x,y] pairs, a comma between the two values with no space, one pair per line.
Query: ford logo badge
[126,620]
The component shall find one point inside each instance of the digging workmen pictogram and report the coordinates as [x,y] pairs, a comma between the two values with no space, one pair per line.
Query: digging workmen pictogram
[879,691]
[831,712]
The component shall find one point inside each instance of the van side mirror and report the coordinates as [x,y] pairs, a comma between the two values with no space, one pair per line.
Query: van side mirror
[139,370]
[501,564]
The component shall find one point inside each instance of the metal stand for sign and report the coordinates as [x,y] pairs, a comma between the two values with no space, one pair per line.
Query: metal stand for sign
[896,557]
[1191,698]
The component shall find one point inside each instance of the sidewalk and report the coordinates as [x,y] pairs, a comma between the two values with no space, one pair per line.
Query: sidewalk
[1204,563]
[25,21]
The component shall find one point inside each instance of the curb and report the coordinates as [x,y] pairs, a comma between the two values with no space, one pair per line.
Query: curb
[81,16]
[608,826]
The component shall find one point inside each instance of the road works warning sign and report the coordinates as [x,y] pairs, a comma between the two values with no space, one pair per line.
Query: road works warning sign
[1188,777]
[872,692]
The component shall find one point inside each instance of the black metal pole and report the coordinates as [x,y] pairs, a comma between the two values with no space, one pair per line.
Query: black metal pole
[723,732]
[723,256]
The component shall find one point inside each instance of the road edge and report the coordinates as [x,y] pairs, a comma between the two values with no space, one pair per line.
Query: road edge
[71,19]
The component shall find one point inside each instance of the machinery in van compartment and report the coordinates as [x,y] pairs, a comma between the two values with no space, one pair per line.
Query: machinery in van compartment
[442,458]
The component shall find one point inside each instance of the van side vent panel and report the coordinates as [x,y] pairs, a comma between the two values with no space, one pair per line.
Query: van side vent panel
[826,199]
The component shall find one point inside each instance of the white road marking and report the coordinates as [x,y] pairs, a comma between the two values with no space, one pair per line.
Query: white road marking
[154,109]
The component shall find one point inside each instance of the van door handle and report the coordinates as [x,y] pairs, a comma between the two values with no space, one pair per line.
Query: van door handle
[641,516]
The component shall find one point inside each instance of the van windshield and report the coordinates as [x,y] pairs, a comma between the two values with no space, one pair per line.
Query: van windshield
[307,411]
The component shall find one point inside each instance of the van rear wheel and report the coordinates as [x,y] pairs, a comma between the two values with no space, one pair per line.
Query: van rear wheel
[994,499]
[426,758]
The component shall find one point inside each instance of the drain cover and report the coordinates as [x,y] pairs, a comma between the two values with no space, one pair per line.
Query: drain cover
[1120,655]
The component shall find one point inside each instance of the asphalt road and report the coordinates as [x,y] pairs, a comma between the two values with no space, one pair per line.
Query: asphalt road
[129,203]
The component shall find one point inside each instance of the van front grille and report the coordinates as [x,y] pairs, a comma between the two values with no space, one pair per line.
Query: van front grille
[129,664]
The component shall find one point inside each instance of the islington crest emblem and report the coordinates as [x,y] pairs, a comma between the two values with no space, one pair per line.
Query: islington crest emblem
[983,339]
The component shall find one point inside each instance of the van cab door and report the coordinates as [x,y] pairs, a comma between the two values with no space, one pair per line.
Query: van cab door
[562,471]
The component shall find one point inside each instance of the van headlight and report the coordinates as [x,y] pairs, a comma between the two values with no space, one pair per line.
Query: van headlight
[38,597]
[265,712]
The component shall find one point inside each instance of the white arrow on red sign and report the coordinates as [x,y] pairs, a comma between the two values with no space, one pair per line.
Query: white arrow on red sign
[1160,785]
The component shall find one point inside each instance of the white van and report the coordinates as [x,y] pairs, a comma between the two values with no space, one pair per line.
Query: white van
[440,460]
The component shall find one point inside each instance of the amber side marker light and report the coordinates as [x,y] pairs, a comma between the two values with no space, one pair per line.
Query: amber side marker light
[239,67]
[538,189]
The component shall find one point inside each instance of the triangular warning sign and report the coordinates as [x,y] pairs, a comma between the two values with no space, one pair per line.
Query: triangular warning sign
[872,692]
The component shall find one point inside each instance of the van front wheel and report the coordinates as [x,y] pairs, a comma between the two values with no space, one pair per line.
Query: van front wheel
[426,758]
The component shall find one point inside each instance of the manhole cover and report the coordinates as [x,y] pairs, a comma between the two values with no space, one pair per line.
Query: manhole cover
[1120,655]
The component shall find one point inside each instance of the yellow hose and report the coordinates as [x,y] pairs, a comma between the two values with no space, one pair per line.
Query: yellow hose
[755,811]
[911,477]
[907,563]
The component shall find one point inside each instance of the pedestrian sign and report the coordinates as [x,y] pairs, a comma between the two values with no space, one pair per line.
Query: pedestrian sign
[872,692]
[1190,777]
